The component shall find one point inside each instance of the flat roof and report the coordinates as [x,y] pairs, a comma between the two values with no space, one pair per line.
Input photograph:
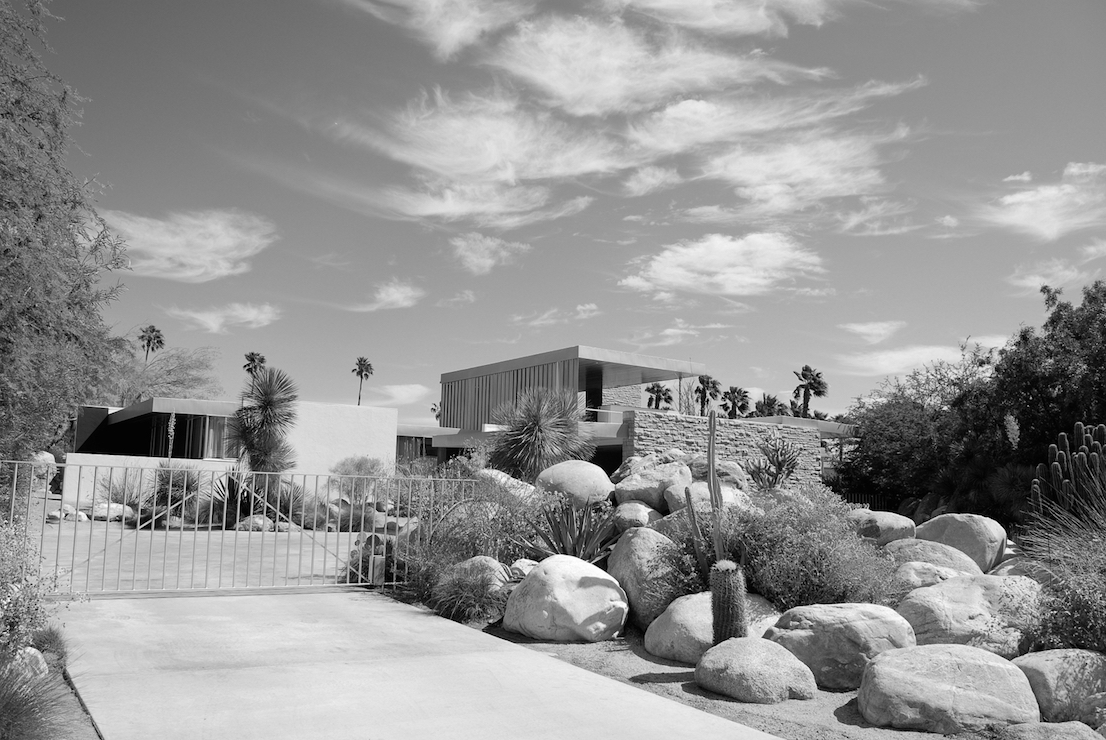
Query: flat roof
[617,368]
[191,406]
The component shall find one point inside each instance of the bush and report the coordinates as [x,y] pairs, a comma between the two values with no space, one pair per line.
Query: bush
[50,641]
[132,487]
[32,708]
[800,549]
[469,595]
[22,607]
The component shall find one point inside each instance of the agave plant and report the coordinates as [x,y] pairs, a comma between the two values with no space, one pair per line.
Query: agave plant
[567,528]
[540,430]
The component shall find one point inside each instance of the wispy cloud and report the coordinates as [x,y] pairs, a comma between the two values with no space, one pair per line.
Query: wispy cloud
[1093,251]
[874,332]
[393,294]
[396,395]
[676,333]
[1054,273]
[462,298]
[1048,212]
[479,254]
[1023,177]
[877,217]
[554,316]
[904,359]
[220,319]
[192,246]
[448,26]
[718,264]
[330,259]
[594,67]
[651,179]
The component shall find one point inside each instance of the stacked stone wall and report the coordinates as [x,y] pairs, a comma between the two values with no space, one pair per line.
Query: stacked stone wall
[736,439]
[627,395]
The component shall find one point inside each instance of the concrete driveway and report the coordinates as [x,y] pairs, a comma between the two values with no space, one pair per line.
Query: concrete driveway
[349,664]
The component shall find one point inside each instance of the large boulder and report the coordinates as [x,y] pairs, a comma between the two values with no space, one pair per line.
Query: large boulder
[945,689]
[29,663]
[45,467]
[675,498]
[686,628]
[1048,731]
[642,563]
[481,566]
[583,482]
[520,489]
[979,537]
[881,527]
[754,670]
[917,574]
[837,641]
[937,553]
[648,485]
[109,511]
[989,612]
[728,471]
[566,599]
[634,514]
[1023,566]
[1069,684]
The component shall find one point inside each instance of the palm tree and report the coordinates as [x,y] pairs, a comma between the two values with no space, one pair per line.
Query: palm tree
[436,409]
[658,394]
[362,370]
[540,430]
[254,362]
[708,390]
[735,402]
[811,383]
[151,339]
[769,405]
[259,427]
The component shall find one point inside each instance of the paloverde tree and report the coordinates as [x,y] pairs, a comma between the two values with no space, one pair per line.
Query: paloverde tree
[658,394]
[735,402]
[54,249]
[363,369]
[151,339]
[541,429]
[708,390]
[811,383]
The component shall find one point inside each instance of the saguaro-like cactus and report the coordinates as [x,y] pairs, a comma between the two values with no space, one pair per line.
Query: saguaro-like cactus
[1071,479]
[727,580]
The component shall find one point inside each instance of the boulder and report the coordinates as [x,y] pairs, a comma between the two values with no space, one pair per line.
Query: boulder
[881,527]
[566,599]
[583,482]
[30,663]
[837,641]
[634,514]
[917,574]
[700,492]
[641,562]
[481,566]
[728,471]
[521,489]
[937,553]
[944,689]
[648,485]
[255,523]
[1020,565]
[45,467]
[979,537]
[1069,684]
[988,612]
[754,670]
[1048,731]
[521,567]
[685,630]
[634,464]
[110,511]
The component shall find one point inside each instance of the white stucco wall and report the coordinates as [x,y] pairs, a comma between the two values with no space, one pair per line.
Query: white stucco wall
[78,489]
[327,432]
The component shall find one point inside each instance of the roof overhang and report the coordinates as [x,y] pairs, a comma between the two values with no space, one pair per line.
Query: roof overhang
[182,406]
[616,369]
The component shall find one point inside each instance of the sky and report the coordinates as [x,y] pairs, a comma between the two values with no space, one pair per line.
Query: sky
[438,184]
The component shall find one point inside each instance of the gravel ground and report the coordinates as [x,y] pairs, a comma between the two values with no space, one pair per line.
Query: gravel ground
[829,716]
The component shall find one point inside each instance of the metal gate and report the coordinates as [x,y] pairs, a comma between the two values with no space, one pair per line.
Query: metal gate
[110,529]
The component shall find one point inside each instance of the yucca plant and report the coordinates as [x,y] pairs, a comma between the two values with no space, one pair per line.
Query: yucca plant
[587,532]
[541,429]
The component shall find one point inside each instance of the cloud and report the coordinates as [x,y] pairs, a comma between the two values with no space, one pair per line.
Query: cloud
[331,260]
[448,26]
[1048,212]
[877,217]
[592,68]
[218,319]
[1093,251]
[1054,273]
[1023,177]
[393,294]
[651,179]
[192,246]
[723,265]
[485,205]
[724,17]
[396,395]
[479,254]
[460,299]
[874,332]
[904,359]
[949,222]
[554,316]
[679,331]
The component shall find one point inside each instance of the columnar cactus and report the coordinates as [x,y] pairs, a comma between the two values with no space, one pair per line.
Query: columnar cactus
[1071,478]
[727,601]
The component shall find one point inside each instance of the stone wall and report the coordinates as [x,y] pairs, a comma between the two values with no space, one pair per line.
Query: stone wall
[651,431]
[628,395]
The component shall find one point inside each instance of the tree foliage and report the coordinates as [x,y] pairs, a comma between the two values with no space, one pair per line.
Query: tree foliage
[177,372]
[708,390]
[54,249]
[811,383]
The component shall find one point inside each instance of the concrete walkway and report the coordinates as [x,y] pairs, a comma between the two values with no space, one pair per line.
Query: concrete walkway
[341,665]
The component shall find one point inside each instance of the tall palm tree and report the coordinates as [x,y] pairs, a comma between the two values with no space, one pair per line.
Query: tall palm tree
[436,409]
[811,383]
[362,370]
[708,390]
[255,361]
[151,339]
[735,401]
[259,427]
[658,394]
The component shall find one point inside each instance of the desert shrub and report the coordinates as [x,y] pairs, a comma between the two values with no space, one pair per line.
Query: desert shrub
[362,465]
[51,641]
[132,487]
[541,429]
[22,606]
[32,708]
[468,595]
[564,528]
